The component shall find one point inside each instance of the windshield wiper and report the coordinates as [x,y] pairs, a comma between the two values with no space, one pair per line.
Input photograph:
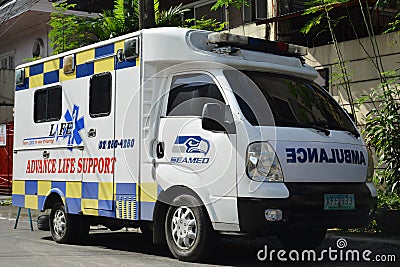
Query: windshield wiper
[312,125]
[339,128]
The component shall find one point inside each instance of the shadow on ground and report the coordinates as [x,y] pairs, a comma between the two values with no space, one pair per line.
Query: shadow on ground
[228,251]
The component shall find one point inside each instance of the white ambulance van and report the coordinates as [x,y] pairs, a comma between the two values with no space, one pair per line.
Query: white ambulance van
[187,134]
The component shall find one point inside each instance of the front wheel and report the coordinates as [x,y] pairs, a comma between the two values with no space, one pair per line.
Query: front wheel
[188,229]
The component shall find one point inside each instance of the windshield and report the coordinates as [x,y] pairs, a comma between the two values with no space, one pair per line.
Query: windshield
[293,102]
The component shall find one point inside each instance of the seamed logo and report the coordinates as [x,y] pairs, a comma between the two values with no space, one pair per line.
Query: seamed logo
[195,145]
[320,155]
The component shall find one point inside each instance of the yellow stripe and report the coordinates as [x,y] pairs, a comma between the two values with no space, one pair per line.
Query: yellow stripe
[137,61]
[52,65]
[84,56]
[91,212]
[103,65]
[66,77]
[117,210]
[44,187]
[118,45]
[90,206]
[148,192]
[106,191]
[36,81]
[18,187]
[31,202]
[26,72]
[74,190]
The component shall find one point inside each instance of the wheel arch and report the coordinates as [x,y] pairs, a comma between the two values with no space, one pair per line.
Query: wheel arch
[163,202]
[55,195]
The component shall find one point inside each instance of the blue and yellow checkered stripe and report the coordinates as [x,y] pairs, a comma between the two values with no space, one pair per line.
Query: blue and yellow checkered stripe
[87,63]
[120,200]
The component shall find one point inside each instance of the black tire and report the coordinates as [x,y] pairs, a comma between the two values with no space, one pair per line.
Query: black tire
[301,238]
[188,230]
[63,226]
[43,222]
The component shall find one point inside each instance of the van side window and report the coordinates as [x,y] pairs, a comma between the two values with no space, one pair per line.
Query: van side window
[190,92]
[47,104]
[100,95]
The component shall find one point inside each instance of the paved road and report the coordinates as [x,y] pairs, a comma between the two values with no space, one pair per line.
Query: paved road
[21,247]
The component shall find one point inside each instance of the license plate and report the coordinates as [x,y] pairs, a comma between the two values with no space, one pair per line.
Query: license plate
[339,202]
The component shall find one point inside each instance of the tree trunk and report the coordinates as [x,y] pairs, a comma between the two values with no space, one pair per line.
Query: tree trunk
[146,14]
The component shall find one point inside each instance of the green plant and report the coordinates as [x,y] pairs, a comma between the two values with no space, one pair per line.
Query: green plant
[388,201]
[381,131]
[205,24]
[31,59]
[124,18]
[230,3]
[170,17]
[69,31]
[6,202]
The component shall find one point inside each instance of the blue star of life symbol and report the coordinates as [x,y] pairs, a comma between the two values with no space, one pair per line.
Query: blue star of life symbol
[79,124]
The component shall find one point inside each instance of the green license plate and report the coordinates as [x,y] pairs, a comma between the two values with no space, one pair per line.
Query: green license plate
[339,202]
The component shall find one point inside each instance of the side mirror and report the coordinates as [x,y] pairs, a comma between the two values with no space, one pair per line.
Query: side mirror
[217,117]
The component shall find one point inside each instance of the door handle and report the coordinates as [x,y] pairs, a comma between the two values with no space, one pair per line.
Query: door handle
[160,150]
[91,133]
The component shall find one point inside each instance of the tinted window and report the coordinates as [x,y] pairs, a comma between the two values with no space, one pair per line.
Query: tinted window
[293,102]
[190,92]
[47,104]
[100,95]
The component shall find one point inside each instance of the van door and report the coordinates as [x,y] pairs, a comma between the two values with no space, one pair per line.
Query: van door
[98,155]
[203,160]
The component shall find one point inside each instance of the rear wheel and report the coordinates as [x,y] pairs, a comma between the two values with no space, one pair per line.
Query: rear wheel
[64,227]
[188,230]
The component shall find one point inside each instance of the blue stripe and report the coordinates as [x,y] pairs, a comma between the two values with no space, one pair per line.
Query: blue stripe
[60,185]
[107,213]
[41,200]
[38,138]
[24,86]
[18,200]
[51,77]
[36,69]
[126,189]
[90,190]
[74,205]
[125,64]
[31,187]
[61,63]
[106,204]
[105,50]
[146,210]
[84,70]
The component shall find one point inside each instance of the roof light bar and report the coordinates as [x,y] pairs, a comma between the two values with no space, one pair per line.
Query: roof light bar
[255,44]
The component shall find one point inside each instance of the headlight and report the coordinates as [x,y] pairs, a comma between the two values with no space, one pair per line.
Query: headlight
[370,170]
[263,164]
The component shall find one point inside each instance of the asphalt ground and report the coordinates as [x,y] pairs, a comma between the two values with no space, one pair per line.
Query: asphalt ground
[130,248]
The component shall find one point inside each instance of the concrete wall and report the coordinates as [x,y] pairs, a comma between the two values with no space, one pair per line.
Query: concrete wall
[363,75]
[6,95]
[21,43]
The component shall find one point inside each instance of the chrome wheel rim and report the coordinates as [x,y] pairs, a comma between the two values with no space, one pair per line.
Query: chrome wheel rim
[184,228]
[59,223]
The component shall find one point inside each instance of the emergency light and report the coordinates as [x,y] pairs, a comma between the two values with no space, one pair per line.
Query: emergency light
[255,44]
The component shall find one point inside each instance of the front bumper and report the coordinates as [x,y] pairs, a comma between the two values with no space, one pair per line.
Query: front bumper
[305,208]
